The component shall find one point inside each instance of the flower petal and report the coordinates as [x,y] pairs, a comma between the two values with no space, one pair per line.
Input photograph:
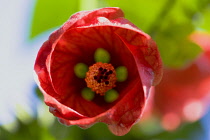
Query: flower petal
[127,111]
[84,17]
[122,116]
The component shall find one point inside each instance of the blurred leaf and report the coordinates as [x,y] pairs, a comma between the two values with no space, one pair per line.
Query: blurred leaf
[22,113]
[50,13]
[188,131]
[10,127]
[142,13]
[62,132]
[173,33]
[206,19]
[44,117]
[150,14]
[88,4]
[31,131]
[99,131]
[39,93]
[175,48]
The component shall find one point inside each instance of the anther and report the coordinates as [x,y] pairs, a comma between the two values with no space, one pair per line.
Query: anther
[106,82]
[107,73]
[110,72]
[101,77]
[95,77]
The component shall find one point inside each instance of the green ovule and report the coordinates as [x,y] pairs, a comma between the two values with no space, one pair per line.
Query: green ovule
[102,55]
[80,70]
[122,73]
[88,94]
[111,95]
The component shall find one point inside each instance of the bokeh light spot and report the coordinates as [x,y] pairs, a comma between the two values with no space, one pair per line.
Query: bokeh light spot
[170,121]
[193,110]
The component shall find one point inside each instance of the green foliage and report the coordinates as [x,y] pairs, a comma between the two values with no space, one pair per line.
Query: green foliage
[31,131]
[185,132]
[205,19]
[142,13]
[39,93]
[57,131]
[51,13]
[175,48]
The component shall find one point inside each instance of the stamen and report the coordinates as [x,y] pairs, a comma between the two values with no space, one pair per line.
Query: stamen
[99,78]
[107,73]
[106,82]
[110,72]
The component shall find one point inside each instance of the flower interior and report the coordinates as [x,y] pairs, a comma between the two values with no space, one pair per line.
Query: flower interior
[101,77]
[90,72]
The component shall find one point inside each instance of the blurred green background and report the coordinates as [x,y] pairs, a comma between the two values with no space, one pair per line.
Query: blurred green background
[169,22]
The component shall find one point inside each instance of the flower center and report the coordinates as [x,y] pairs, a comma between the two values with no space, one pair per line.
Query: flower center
[101,77]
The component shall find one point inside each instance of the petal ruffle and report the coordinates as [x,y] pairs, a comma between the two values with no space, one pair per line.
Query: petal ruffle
[85,17]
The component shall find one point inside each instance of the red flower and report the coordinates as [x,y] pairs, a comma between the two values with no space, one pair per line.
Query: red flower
[182,94]
[77,42]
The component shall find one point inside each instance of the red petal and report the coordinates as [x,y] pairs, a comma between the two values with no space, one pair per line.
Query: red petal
[127,111]
[41,73]
[84,17]
[122,116]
